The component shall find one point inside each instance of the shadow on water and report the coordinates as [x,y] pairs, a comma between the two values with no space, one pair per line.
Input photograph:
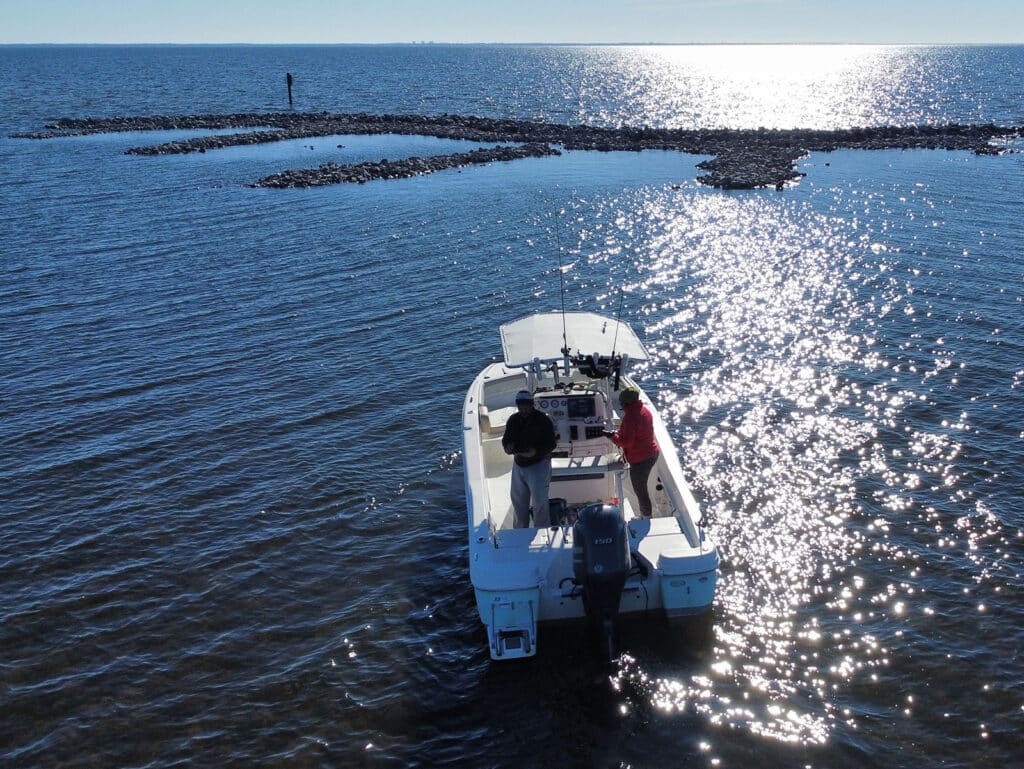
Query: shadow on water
[569,706]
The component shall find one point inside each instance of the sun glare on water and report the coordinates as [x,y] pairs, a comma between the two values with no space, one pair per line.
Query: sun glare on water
[763,356]
[752,86]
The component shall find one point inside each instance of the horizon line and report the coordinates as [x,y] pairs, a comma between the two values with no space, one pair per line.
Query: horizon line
[505,43]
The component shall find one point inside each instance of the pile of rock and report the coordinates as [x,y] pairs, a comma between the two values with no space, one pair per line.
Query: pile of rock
[744,159]
[331,173]
[748,167]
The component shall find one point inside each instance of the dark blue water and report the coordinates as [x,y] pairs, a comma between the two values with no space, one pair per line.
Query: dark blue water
[232,526]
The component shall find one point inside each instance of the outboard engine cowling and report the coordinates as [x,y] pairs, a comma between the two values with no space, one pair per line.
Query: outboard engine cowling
[600,563]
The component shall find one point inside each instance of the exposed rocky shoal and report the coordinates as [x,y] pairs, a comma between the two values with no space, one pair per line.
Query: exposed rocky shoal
[331,173]
[744,158]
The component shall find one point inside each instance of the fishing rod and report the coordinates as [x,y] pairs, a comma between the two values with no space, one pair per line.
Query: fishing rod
[618,319]
[615,339]
[561,291]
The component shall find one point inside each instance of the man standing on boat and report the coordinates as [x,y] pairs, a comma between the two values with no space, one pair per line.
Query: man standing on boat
[530,438]
[636,439]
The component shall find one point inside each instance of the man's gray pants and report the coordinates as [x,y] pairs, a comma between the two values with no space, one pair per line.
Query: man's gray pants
[531,482]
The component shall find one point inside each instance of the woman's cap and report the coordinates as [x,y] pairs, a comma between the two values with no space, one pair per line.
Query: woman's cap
[628,396]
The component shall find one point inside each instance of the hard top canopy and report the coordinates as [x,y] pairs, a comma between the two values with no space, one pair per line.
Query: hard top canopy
[541,336]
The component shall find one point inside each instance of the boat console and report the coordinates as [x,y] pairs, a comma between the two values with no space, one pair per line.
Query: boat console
[580,418]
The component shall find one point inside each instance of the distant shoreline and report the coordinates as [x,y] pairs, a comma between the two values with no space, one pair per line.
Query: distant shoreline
[525,44]
[743,158]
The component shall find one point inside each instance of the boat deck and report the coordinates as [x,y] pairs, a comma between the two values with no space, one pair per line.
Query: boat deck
[577,480]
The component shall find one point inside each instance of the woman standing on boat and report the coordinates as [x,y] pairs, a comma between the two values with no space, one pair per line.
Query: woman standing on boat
[530,438]
[636,439]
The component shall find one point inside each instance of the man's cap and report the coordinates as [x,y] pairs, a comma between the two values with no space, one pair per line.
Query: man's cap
[524,395]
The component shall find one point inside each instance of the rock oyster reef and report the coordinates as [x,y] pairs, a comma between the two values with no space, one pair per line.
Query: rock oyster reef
[743,158]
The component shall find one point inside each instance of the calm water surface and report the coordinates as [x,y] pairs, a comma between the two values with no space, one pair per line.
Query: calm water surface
[232,510]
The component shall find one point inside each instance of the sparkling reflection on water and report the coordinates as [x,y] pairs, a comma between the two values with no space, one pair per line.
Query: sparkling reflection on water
[832,468]
[771,86]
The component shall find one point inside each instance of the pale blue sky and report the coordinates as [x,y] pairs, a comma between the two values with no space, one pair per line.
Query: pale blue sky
[512,21]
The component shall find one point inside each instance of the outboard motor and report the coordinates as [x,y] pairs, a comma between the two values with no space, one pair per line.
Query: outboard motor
[600,563]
